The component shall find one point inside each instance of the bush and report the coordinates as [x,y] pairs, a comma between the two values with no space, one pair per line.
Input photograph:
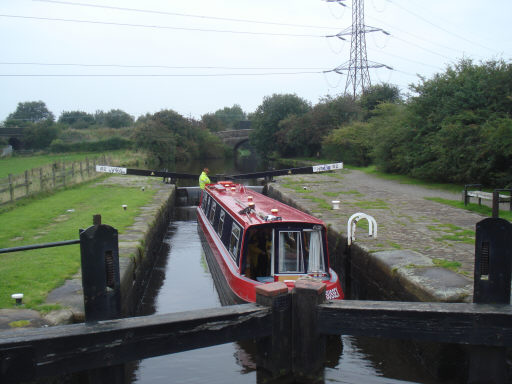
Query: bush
[40,135]
[351,144]
[110,144]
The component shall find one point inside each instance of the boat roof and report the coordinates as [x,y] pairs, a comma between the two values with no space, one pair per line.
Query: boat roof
[237,199]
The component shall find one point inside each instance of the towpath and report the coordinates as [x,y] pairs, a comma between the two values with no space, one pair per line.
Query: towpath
[406,217]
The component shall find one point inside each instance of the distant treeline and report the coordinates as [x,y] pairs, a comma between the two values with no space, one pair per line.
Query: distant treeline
[455,127]
[166,135]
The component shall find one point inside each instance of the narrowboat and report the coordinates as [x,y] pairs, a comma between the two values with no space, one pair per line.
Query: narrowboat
[251,239]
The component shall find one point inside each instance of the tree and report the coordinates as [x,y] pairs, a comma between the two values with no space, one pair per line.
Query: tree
[77,119]
[29,112]
[302,135]
[168,136]
[230,116]
[115,118]
[377,94]
[448,115]
[40,135]
[392,138]
[352,143]
[212,122]
[265,120]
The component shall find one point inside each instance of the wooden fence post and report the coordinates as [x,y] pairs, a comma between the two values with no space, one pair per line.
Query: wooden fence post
[309,346]
[54,167]
[63,173]
[274,352]
[41,187]
[11,188]
[493,262]
[495,204]
[27,183]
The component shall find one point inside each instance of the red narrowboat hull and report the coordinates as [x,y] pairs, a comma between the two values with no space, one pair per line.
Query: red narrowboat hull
[227,266]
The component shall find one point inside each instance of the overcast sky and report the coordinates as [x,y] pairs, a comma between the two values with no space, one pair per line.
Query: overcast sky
[196,57]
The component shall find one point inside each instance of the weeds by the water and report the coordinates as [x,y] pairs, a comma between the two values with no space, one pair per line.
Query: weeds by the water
[372,204]
[453,233]
[451,265]
[321,202]
[19,323]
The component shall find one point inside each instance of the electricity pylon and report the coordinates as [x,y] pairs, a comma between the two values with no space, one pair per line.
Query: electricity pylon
[358,77]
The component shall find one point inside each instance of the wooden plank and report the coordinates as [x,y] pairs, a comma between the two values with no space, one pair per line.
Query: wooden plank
[461,323]
[486,195]
[64,349]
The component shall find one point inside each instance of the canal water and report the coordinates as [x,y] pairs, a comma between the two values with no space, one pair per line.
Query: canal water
[181,281]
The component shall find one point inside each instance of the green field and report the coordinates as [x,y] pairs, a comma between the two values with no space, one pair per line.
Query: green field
[56,218]
[17,165]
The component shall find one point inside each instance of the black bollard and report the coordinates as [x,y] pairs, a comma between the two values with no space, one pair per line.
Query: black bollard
[99,250]
[100,272]
[493,262]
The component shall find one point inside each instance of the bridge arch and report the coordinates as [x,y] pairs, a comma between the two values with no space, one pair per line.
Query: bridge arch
[13,136]
[234,138]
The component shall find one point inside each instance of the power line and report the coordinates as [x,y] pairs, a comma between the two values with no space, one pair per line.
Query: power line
[423,48]
[439,27]
[412,61]
[89,65]
[394,27]
[162,75]
[157,26]
[139,10]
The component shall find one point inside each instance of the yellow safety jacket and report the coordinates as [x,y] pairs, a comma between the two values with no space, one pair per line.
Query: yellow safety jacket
[203,179]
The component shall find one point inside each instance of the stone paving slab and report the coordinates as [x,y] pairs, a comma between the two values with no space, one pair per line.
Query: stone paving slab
[405,218]
[406,221]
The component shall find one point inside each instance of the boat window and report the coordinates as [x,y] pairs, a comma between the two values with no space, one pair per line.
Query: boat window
[290,252]
[211,216]
[313,251]
[206,200]
[234,241]
[226,235]
[259,254]
[221,222]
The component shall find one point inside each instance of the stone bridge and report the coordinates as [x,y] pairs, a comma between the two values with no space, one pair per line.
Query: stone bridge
[13,136]
[234,138]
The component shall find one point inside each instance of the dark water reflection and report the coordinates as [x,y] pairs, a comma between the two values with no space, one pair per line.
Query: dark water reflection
[185,285]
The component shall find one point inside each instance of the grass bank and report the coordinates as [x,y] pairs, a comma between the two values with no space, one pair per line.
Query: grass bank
[482,209]
[16,165]
[53,218]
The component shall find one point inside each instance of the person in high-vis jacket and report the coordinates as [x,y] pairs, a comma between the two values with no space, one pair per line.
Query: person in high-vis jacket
[203,178]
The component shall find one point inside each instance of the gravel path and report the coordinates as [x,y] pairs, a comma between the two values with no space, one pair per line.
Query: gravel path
[406,219]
